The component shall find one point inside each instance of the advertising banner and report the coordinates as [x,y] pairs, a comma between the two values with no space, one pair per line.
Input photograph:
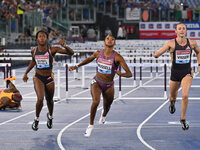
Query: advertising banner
[132,13]
[166,30]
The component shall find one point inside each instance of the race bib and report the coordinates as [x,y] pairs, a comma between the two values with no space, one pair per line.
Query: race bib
[42,61]
[182,56]
[104,66]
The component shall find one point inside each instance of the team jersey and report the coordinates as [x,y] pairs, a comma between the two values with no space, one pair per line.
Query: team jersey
[44,60]
[106,65]
[181,57]
[4,94]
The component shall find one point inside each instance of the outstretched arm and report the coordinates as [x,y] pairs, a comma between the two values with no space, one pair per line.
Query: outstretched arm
[31,65]
[120,60]
[86,61]
[162,50]
[67,49]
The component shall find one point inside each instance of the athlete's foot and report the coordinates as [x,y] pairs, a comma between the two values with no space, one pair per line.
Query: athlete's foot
[184,124]
[11,78]
[172,107]
[19,107]
[49,121]
[102,119]
[35,125]
[89,130]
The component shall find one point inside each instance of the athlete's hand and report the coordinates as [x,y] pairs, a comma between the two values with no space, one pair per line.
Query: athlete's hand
[118,72]
[62,43]
[73,68]
[25,78]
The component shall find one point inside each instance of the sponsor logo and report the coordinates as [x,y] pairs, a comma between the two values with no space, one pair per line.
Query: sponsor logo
[142,26]
[193,25]
[149,34]
[182,52]
[150,26]
[168,34]
[159,26]
[192,34]
[187,48]
[49,78]
[174,26]
[167,26]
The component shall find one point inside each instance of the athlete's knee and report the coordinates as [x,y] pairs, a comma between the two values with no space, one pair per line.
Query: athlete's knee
[40,101]
[172,97]
[95,103]
[185,97]
[50,101]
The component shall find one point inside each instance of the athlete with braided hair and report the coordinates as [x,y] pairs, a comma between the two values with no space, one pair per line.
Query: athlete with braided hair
[43,58]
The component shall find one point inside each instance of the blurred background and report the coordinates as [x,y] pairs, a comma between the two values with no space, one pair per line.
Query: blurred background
[91,20]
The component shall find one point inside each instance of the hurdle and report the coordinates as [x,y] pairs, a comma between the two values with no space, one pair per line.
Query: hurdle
[57,85]
[6,69]
[140,65]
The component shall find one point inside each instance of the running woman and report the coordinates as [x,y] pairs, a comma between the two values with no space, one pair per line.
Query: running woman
[180,50]
[108,61]
[43,58]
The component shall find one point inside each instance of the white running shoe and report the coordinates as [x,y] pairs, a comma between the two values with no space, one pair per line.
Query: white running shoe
[102,119]
[89,130]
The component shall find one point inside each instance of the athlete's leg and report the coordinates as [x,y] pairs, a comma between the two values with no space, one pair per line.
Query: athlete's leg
[49,93]
[174,86]
[108,97]
[13,104]
[96,95]
[186,84]
[39,89]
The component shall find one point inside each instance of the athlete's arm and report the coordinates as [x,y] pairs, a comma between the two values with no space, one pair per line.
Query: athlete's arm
[86,61]
[12,87]
[162,50]
[67,49]
[31,65]
[120,60]
[197,51]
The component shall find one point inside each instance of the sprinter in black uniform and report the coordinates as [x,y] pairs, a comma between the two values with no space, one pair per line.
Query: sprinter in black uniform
[181,73]
[43,58]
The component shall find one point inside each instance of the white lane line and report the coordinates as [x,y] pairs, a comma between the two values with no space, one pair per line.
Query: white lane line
[66,127]
[69,125]
[16,117]
[140,126]
[174,122]
[10,120]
